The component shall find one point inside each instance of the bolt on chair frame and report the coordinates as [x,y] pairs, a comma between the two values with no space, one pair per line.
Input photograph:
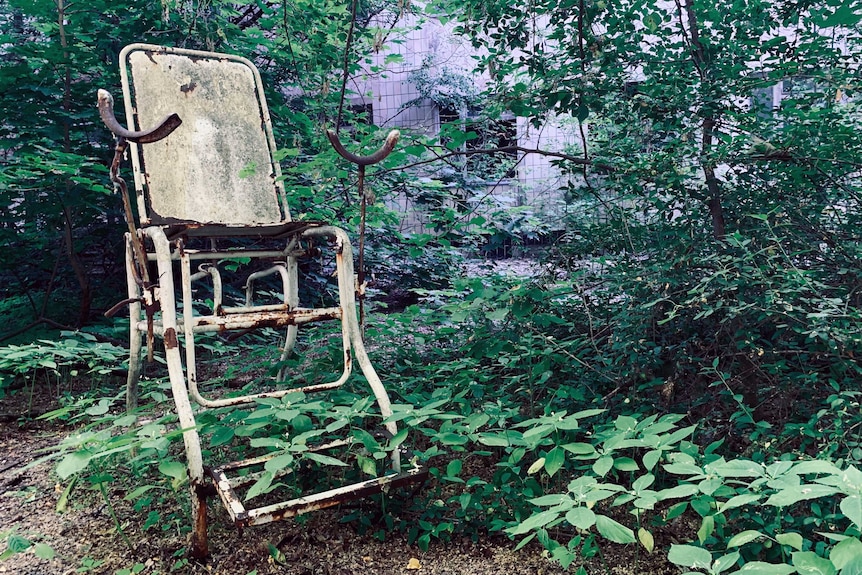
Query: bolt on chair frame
[189,187]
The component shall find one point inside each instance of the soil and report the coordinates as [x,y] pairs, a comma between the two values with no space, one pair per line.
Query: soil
[84,538]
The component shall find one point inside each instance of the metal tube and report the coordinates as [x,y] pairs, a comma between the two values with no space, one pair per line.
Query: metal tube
[191,439]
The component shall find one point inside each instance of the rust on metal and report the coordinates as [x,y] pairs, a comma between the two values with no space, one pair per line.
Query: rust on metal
[374,158]
[162,130]
[243,517]
[200,543]
[170,336]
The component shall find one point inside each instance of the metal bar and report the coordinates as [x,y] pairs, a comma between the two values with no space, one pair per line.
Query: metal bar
[313,502]
[191,439]
[278,268]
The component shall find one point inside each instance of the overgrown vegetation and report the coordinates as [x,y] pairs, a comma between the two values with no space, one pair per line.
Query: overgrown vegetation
[686,364]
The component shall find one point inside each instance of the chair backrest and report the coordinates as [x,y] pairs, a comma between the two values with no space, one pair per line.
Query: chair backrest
[218,166]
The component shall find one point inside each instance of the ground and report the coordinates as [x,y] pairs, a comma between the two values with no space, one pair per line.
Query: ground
[84,538]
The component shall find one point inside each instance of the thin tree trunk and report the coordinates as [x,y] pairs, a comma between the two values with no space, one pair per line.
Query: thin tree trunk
[68,237]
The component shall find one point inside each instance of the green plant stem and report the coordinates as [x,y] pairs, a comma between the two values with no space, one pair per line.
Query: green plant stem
[113,515]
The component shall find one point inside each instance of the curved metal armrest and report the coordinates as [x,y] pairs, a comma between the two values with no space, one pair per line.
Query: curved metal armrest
[377,156]
[164,128]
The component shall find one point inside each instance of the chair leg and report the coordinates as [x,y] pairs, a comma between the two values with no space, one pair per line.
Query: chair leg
[191,438]
[293,301]
[135,343]
[347,297]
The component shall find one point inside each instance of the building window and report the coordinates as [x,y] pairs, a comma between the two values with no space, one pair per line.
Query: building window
[481,133]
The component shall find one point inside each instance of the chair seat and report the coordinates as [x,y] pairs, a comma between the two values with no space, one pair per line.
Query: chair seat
[174,230]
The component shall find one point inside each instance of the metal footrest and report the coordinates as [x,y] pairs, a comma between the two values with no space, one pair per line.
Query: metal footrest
[242,517]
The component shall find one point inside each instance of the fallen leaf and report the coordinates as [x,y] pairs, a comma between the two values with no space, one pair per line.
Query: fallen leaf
[413,564]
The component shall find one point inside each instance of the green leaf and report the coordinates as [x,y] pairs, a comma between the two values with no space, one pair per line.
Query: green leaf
[646,539]
[793,495]
[533,522]
[581,517]
[707,527]
[16,544]
[536,466]
[651,458]
[844,552]
[690,556]
[726,562]
[851,507]
[43,551]
[602,465]
[221,436]
[324,459]
[741,539]
[809,563]
[262,485]
[454,468]
[738,501]
[279,462]
[73,463]
[579,448]
[761,568]
[626,464]
[173,469]
[367,465]
[613,531]
[793,540]
[554,460]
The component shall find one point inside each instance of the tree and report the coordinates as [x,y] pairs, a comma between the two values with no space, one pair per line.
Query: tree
[730,220]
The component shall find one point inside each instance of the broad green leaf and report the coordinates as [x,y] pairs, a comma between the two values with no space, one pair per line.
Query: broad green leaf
[651,458]
[643,482]
[579,448]
[738,501]
[738,468]
[16,543]
[453,469]
[554,460]
[793,540]
[613,531]
[73,463]
[262,485]
[536,466]
[741,539]
[787,497]
[726,562]
[324,459]
[494,439]
[646,539]
[279,462]
[761,568]
[551,500]
[844,552]
[602,465]
[533,522]
[683,490]
[173,469]
[707,527]
[581,517]
[851,507]
[367,465]
[809,563]
[43,551]
[625,464]
[221,436]
[690,556]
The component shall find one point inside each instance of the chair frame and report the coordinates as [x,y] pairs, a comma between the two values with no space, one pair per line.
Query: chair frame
[164,244]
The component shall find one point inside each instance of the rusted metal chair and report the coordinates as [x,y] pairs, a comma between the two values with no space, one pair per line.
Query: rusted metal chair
[204,169]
